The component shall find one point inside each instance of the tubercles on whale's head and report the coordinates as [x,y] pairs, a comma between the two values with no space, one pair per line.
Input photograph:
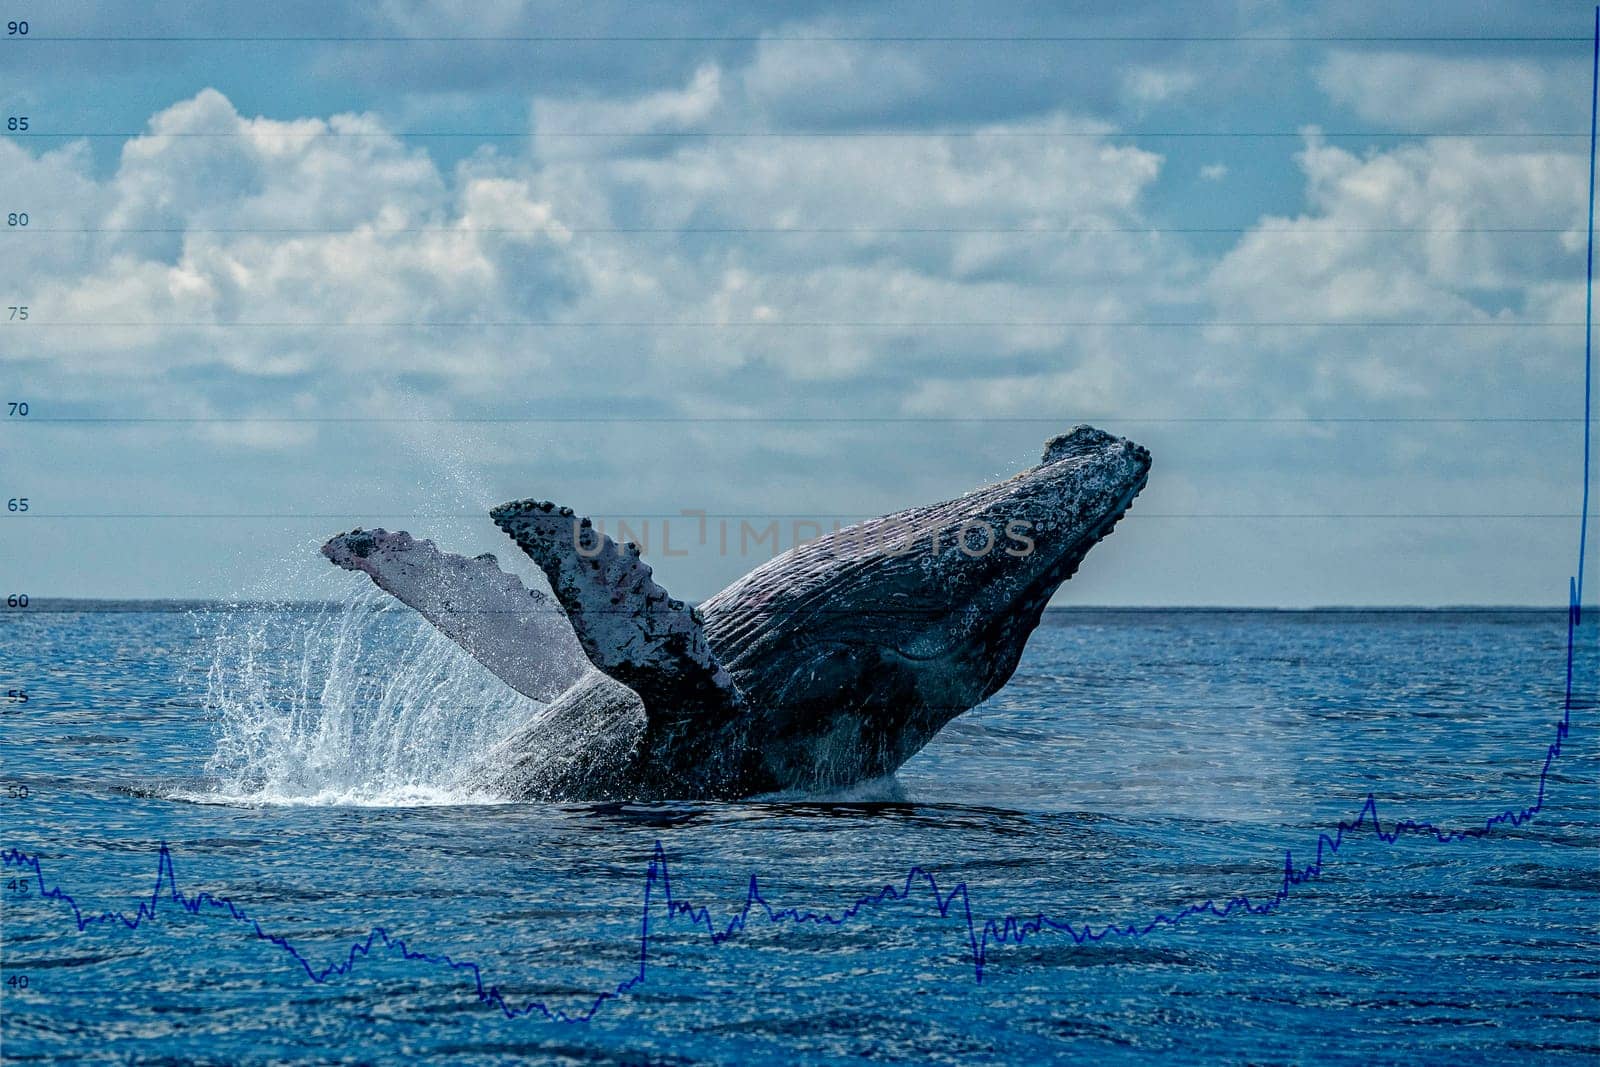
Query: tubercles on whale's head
[1049,517]
[1081,440]
[347,549]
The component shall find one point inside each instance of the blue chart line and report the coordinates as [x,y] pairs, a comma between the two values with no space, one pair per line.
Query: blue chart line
[982,936]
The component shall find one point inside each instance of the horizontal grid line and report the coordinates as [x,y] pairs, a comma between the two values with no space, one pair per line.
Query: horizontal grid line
[54,605]
[801,324]
[802,419]
[366,229]
[1001,134]
[696,516]
[557,38]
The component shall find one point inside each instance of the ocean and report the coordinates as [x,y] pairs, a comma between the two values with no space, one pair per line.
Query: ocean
[302,765]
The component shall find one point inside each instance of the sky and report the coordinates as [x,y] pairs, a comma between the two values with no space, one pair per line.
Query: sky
[796,263]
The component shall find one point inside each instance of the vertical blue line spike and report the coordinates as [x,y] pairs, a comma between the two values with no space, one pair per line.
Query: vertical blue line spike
[1588,323]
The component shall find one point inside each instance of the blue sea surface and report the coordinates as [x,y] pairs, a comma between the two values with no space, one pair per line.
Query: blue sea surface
[303,764]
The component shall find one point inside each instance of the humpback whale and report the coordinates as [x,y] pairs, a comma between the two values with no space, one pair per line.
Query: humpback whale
[830,664]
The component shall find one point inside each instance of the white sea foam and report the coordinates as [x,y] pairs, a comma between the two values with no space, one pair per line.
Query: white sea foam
[359,703]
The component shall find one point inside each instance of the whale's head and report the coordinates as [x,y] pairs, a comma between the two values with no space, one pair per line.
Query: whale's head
[880,633]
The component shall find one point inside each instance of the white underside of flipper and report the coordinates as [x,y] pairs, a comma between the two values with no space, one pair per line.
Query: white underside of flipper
[521,635]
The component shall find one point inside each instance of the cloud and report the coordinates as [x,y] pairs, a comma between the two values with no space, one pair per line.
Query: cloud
[201,165]
[218,233]
[1441,231]
[1443,94]
[1440,228]
[245,226]
[1146,87]
[610,123]
[829,83]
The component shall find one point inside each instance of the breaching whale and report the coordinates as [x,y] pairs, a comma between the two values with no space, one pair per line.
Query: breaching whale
[832,663]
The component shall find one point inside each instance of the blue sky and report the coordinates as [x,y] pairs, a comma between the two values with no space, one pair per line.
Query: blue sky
[1391,229]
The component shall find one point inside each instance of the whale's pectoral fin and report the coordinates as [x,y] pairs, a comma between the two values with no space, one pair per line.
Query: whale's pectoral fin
[629,627]
[520,634]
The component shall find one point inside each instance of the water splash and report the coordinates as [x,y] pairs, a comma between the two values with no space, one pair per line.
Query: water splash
[356,702]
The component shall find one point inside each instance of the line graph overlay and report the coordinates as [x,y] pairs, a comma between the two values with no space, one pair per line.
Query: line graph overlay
[983,935]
